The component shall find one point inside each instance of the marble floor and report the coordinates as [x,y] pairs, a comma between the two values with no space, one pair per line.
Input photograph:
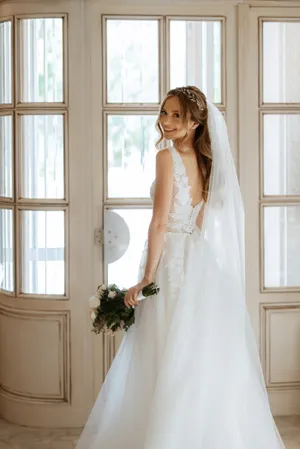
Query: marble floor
[17,437]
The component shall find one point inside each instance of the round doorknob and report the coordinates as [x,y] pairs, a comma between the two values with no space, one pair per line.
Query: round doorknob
[116,236]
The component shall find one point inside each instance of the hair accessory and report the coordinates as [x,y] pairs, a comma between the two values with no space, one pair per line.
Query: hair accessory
[191,96]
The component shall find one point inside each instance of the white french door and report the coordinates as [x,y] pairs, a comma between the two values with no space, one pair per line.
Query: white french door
[270,173]
[195,46]
[46,236]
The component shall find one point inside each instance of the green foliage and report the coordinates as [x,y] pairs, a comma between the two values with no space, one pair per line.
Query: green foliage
[112,314]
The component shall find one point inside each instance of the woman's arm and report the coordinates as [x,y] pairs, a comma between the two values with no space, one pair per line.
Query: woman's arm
[161,207]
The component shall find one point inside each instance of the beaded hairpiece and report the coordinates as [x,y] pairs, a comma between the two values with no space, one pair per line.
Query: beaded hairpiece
[191,96]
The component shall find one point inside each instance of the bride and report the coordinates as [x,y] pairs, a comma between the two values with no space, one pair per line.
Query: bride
[187,374]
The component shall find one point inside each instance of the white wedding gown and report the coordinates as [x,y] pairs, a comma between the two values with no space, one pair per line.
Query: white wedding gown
[187,374]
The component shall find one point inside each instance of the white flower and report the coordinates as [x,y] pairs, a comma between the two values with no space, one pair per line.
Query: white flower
[93,315]
[99,294]
[101,290]
[94,302]
[112,294]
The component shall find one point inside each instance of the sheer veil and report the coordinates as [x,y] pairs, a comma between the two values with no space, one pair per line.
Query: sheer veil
[223,224]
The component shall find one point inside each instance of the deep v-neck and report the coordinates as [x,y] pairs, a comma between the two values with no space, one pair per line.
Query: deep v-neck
[187,178]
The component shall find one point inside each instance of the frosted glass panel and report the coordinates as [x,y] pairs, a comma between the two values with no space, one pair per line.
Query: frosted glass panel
[43,252]
[42,59]
[5,63]
[131,155]
[6,173]
[281,62]
[281,154]
[132,61]
[124,272]
[42,156]
[195,56]
[282,246]
[6,250]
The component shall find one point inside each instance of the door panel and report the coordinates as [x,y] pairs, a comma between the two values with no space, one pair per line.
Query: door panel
[270,169]
[46,231]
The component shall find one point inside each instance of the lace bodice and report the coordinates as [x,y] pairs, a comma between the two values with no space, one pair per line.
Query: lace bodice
[182,217]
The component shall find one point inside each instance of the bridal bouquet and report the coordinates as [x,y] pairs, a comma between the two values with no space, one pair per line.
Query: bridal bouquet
[108,311]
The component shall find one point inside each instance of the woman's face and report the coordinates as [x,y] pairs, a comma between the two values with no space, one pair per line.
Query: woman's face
[171,120]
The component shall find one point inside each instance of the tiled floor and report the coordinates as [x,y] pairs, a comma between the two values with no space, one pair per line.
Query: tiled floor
[17,437]
[289,428]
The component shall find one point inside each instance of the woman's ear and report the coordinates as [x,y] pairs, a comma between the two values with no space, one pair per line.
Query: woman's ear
[195,125]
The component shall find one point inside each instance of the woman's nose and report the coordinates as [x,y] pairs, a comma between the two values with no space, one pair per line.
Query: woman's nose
[166,119]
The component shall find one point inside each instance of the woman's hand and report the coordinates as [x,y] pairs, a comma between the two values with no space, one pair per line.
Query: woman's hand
[130,299]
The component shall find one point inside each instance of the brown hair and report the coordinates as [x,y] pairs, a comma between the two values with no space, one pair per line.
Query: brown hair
[193,102]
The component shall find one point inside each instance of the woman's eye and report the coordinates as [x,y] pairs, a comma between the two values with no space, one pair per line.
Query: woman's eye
[176,115]
[162,112]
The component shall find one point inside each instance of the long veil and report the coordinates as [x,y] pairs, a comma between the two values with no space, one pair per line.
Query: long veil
[206,390]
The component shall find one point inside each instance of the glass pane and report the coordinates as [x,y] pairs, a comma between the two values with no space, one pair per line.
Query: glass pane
[124,272]
[132,61]
[6,250]
[131,155]
[43,252]
[42,156]
[282,246]
[6,174]
[281,62]
[196,57]
[281,154]
[5,63]
[42,60]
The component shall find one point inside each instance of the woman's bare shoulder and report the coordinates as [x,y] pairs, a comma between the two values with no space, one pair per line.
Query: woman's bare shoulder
[164,154]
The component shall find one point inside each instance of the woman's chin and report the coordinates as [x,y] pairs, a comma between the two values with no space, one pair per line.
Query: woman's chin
[169,135]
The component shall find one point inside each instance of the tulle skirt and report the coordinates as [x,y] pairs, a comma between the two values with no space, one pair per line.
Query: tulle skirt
[187,374]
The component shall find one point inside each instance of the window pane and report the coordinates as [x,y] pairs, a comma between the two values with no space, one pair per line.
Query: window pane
[42,156]
[43,252]
[281,154]
[281,62]
[282,246]
[42,60]
[132,61]
[6,156]
[6,250]
[124,271]
[195,56]
[131,155]
[5,63]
